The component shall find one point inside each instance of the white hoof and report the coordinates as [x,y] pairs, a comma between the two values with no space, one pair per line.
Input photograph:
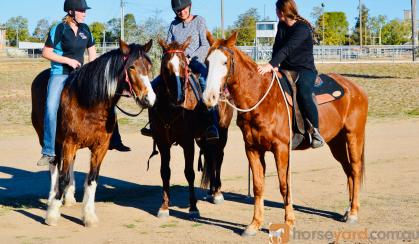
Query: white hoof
[218,199]
[163,213]
[90,220]
[352,219]
[69,201]
[53,213]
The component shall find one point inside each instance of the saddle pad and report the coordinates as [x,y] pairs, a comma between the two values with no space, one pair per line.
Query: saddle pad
[326,91]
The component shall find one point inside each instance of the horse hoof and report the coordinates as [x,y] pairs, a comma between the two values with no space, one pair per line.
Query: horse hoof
[69,202]
[163,213]
[90,221]
[249,231]
[352,219]
[51,221]
[194,215]
[218,199]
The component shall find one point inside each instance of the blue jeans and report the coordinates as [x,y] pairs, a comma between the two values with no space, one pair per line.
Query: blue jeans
[55,87]
[196,67]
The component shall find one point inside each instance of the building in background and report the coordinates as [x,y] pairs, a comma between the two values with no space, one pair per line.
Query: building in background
[2,36]
[266,32]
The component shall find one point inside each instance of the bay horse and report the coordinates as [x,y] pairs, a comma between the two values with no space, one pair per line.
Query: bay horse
[171,123]
[267,127]
[86,118]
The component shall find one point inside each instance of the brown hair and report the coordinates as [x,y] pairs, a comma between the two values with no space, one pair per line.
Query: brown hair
[67,19]
[290,10]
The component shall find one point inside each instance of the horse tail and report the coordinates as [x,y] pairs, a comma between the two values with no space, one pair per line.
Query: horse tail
[207,168]
[363,164]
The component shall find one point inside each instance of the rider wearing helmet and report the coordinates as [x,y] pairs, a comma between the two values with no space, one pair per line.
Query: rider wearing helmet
[183,26]
[65,48]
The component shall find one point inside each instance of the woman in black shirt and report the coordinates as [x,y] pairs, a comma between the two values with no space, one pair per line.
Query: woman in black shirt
[293,50]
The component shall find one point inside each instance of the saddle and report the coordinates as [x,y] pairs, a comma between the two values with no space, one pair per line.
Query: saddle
[326,90]
[192,91]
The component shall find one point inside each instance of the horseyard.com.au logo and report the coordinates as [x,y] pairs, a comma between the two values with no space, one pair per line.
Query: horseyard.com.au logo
[280,233]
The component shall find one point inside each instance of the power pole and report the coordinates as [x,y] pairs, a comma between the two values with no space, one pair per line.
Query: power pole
[322,23]
[414,30]
[122,19]
[17,36]
[222,20]
[360,23]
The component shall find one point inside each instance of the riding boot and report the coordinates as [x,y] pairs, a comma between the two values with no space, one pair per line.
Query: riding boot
[45,160]
[297,139]
[211,132]
[317,139]
[116,141]
[146,130]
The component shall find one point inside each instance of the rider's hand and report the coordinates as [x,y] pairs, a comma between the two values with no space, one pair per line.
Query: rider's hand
[265,68]
[73,63]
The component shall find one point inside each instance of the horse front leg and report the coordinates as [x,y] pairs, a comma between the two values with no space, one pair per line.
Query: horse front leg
[69,199]
[89,216]
[258,171]
[53,211]
[53,169]
[165,176]
[188,152]
[218,195]
[284,175]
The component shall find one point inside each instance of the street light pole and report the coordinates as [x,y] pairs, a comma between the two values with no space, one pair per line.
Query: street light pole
[414,30]
[122,20]
[222,20]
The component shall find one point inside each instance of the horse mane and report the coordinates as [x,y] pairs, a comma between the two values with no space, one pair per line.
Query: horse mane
[97,81]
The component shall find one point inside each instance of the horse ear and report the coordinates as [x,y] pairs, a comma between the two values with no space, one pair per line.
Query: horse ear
[162,43]
[148,46]
[123,46]
[210,38]
[231,41]
[186,43]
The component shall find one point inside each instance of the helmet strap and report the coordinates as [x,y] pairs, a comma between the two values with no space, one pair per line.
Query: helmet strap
[72,14]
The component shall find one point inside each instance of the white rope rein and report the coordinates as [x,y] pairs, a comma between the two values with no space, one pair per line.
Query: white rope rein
[274,77]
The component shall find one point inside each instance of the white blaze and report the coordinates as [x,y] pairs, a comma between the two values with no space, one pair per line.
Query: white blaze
[151,96]
[216,73]
[176,64]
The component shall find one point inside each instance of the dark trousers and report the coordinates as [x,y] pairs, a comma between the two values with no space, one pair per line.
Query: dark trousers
[305,86]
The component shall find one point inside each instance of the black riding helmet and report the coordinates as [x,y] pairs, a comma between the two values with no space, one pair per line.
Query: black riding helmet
[75,5]
[180,4]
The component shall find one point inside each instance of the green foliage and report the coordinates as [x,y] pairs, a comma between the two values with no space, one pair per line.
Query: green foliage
[396,32]
[113,30]
[246,27]
[97,29]
[365,30]
[335,28]
[40,33]
[130,28]
[14,25]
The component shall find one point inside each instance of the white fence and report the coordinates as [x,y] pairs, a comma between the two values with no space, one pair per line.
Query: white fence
[341,53]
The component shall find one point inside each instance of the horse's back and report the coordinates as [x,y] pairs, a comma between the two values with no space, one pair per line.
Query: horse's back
[38,93]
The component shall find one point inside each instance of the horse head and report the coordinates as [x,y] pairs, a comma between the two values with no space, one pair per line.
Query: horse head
[137,70]
[174,69]
[221,68]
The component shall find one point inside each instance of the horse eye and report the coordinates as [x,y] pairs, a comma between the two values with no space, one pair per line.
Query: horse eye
[225,63]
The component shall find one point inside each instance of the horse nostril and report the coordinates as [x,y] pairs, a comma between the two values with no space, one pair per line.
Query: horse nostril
[213,98]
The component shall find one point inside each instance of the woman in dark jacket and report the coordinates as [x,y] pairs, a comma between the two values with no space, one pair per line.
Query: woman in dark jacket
[293,50]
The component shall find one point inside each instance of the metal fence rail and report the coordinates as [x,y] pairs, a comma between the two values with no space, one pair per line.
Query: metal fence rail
[340,53]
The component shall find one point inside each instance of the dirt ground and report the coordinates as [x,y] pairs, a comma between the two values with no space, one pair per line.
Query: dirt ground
[128,196]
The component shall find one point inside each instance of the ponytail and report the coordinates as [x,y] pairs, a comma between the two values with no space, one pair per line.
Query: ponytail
[313,30]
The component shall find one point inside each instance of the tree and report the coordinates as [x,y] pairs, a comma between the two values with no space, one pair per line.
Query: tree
[335,27]
[41,30]
[113,30]
[246,27]
[376,24]
[14,26]
[97,29]
[396,32]
[130,28]
[365,32]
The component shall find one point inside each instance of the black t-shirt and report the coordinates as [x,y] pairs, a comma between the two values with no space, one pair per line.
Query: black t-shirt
[66,43]
[293,47]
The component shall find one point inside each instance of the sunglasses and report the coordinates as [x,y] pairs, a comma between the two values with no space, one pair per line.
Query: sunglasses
[180,10]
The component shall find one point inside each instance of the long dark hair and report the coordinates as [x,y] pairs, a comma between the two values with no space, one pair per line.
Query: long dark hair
[290,10]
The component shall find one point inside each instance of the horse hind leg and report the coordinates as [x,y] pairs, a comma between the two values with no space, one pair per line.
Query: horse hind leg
[218,195]
[89,216]
[53,168]
[53,211]
[165,176]
[339,148]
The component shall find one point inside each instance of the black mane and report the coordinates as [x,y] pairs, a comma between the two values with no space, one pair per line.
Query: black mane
[98,81]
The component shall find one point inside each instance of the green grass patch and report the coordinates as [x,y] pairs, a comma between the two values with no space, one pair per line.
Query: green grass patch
[413,112]
[130,226]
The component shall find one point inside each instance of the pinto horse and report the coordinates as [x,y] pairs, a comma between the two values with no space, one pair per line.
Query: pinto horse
[171,123]
[267,127]
[86,118]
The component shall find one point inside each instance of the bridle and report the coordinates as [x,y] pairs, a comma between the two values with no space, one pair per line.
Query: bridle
[225,93]
[186,73]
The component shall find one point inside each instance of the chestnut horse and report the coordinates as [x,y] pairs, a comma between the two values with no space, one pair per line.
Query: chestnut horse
[267,127]
[87,117]
[171,123]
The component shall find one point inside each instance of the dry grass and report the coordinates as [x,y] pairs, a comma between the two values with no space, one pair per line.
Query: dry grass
[393,92]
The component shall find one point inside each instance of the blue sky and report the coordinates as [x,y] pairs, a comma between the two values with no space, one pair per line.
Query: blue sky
[103,10]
